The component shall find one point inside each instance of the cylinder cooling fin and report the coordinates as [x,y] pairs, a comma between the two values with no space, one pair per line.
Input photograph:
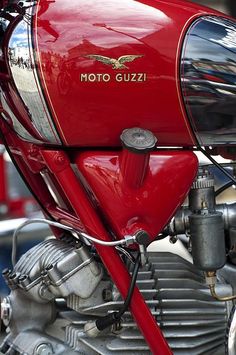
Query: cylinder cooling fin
[174,290]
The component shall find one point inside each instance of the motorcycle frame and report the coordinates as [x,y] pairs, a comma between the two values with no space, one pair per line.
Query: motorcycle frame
[30,160]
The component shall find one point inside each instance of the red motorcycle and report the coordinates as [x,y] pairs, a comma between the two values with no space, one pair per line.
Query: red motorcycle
[103,105]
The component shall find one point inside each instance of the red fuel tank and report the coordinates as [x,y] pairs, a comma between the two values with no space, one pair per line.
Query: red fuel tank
[84,71]
[111,65]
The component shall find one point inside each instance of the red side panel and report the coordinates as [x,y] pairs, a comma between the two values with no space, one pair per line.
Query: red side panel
[149,207]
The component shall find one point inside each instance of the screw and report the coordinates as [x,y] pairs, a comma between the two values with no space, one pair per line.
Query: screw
[44,349]
[12,276]
[6,272]
[107,295]
[116,328]
[173,239]
[33,151]
[59,159]
[49,267]
[5,311]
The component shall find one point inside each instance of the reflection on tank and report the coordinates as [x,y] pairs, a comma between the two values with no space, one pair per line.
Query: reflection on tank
[19,60]
[209,80]
[15,25]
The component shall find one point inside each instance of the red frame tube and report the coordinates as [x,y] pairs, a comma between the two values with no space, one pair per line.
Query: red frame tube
[3,182]
[59,165]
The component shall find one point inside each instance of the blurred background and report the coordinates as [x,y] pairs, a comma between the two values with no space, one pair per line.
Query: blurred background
[16,204]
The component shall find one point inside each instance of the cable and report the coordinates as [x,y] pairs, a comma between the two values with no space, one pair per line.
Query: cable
[126,240]
[131,288]
[223,188]
[114,317]
[126,253]
[217,164]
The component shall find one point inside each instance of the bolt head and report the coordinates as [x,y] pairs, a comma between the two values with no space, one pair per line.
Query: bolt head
[44,349]
[107,295]
[173,239]
[5,311]
[59,159]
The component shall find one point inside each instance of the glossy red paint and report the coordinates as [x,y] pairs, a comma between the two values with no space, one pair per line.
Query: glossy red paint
[93,101]
[59,165]
[133,168]
[3,182]
[128,209]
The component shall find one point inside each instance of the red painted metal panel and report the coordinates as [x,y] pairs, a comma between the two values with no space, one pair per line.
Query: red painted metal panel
[94,96]
[151,205]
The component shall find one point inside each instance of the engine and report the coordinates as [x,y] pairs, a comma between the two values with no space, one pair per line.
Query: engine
[60,288]
[173,288]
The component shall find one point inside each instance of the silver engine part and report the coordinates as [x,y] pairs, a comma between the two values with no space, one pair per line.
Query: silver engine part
[192,321]
[55,269]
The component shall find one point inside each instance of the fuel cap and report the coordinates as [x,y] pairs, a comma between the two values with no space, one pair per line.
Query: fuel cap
[138,140]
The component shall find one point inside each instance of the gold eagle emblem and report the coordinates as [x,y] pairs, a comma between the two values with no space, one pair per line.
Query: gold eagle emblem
[115,63]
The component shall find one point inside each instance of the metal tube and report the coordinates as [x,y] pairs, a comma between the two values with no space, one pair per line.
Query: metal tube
[211,282]
[218,298]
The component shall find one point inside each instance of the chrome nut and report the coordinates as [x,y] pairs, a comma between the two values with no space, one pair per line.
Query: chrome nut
[44,349]
[6,311]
